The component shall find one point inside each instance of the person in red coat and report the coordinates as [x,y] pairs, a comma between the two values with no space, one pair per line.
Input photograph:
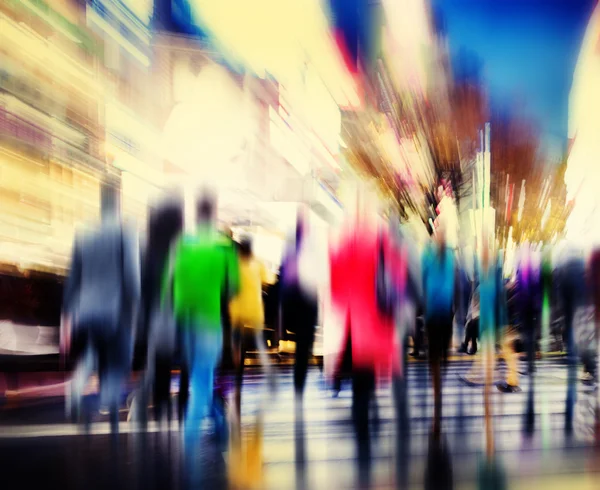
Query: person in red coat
[367,330]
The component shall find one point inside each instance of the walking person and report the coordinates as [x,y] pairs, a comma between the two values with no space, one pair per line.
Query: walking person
[472,324]
[367,331]
[203,262]
[300,296]
[439,276]
[463,302]
[570,275]
[247,315]
[529,300]
[159,329]
[100,304]
[493,327]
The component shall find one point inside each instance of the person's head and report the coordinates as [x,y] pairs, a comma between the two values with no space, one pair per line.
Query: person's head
[245,247]
[165,223]
[439,235]
[109,201]
[206,208]
[301,224]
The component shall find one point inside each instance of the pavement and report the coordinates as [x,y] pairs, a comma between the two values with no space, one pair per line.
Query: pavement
[37,446]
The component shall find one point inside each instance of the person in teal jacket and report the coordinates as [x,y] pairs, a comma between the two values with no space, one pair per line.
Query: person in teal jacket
[204,264]
[438,269]
[494,324]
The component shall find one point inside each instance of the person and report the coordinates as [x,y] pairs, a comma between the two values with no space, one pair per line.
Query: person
[496,329]
[571,283]
[227,362]
[203,263]
[472,324]
[529,300]
[100,304]
[299,303]
[594,286]
[439,272]
[247,314]
[367,333]
[463,297]
[165,224]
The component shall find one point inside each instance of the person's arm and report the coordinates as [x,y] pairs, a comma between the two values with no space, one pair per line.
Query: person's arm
[70,292]
[131,274]
[167,278]
[265,275]
[233,272]
[457,286]
[424,272]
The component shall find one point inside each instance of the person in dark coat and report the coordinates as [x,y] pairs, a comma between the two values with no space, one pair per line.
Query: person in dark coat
[299,303]
[157,340]
[100,305]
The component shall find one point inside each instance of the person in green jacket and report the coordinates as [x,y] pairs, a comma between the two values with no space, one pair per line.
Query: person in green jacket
[204,264]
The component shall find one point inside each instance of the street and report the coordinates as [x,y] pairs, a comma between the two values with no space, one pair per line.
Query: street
[41,449]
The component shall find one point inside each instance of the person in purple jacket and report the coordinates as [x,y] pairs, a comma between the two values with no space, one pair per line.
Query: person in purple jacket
[299,304]
[529,300]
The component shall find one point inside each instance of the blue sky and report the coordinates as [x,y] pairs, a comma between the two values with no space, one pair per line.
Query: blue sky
[528,50]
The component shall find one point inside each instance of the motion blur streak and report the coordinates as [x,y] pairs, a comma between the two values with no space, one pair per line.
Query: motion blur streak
[285,243]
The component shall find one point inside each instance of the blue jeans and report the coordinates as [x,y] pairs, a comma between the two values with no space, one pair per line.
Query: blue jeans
[202,353]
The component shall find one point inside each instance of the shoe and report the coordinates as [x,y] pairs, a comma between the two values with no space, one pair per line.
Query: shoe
[469,381]
[473,350]
[462,349]
[588,379]
[506,388]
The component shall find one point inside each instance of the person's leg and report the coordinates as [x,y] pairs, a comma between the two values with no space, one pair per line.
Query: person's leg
[141,400]
[510,358]
[218,407]
[436,380]
[460,330]
[464,336]
[304,343]
[107,376]
[529,328]
[344,368]
[162,385]
[115,354]
[569,311]
[185,348]
[207,351]
[183,397]
[363,382]
[75,391]
[201,389]
[418,340]
[265,362]
[436,342]
[474,335]
[238,362]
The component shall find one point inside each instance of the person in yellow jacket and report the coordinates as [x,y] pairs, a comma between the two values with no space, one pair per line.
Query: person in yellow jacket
[246,308]
[247,315]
